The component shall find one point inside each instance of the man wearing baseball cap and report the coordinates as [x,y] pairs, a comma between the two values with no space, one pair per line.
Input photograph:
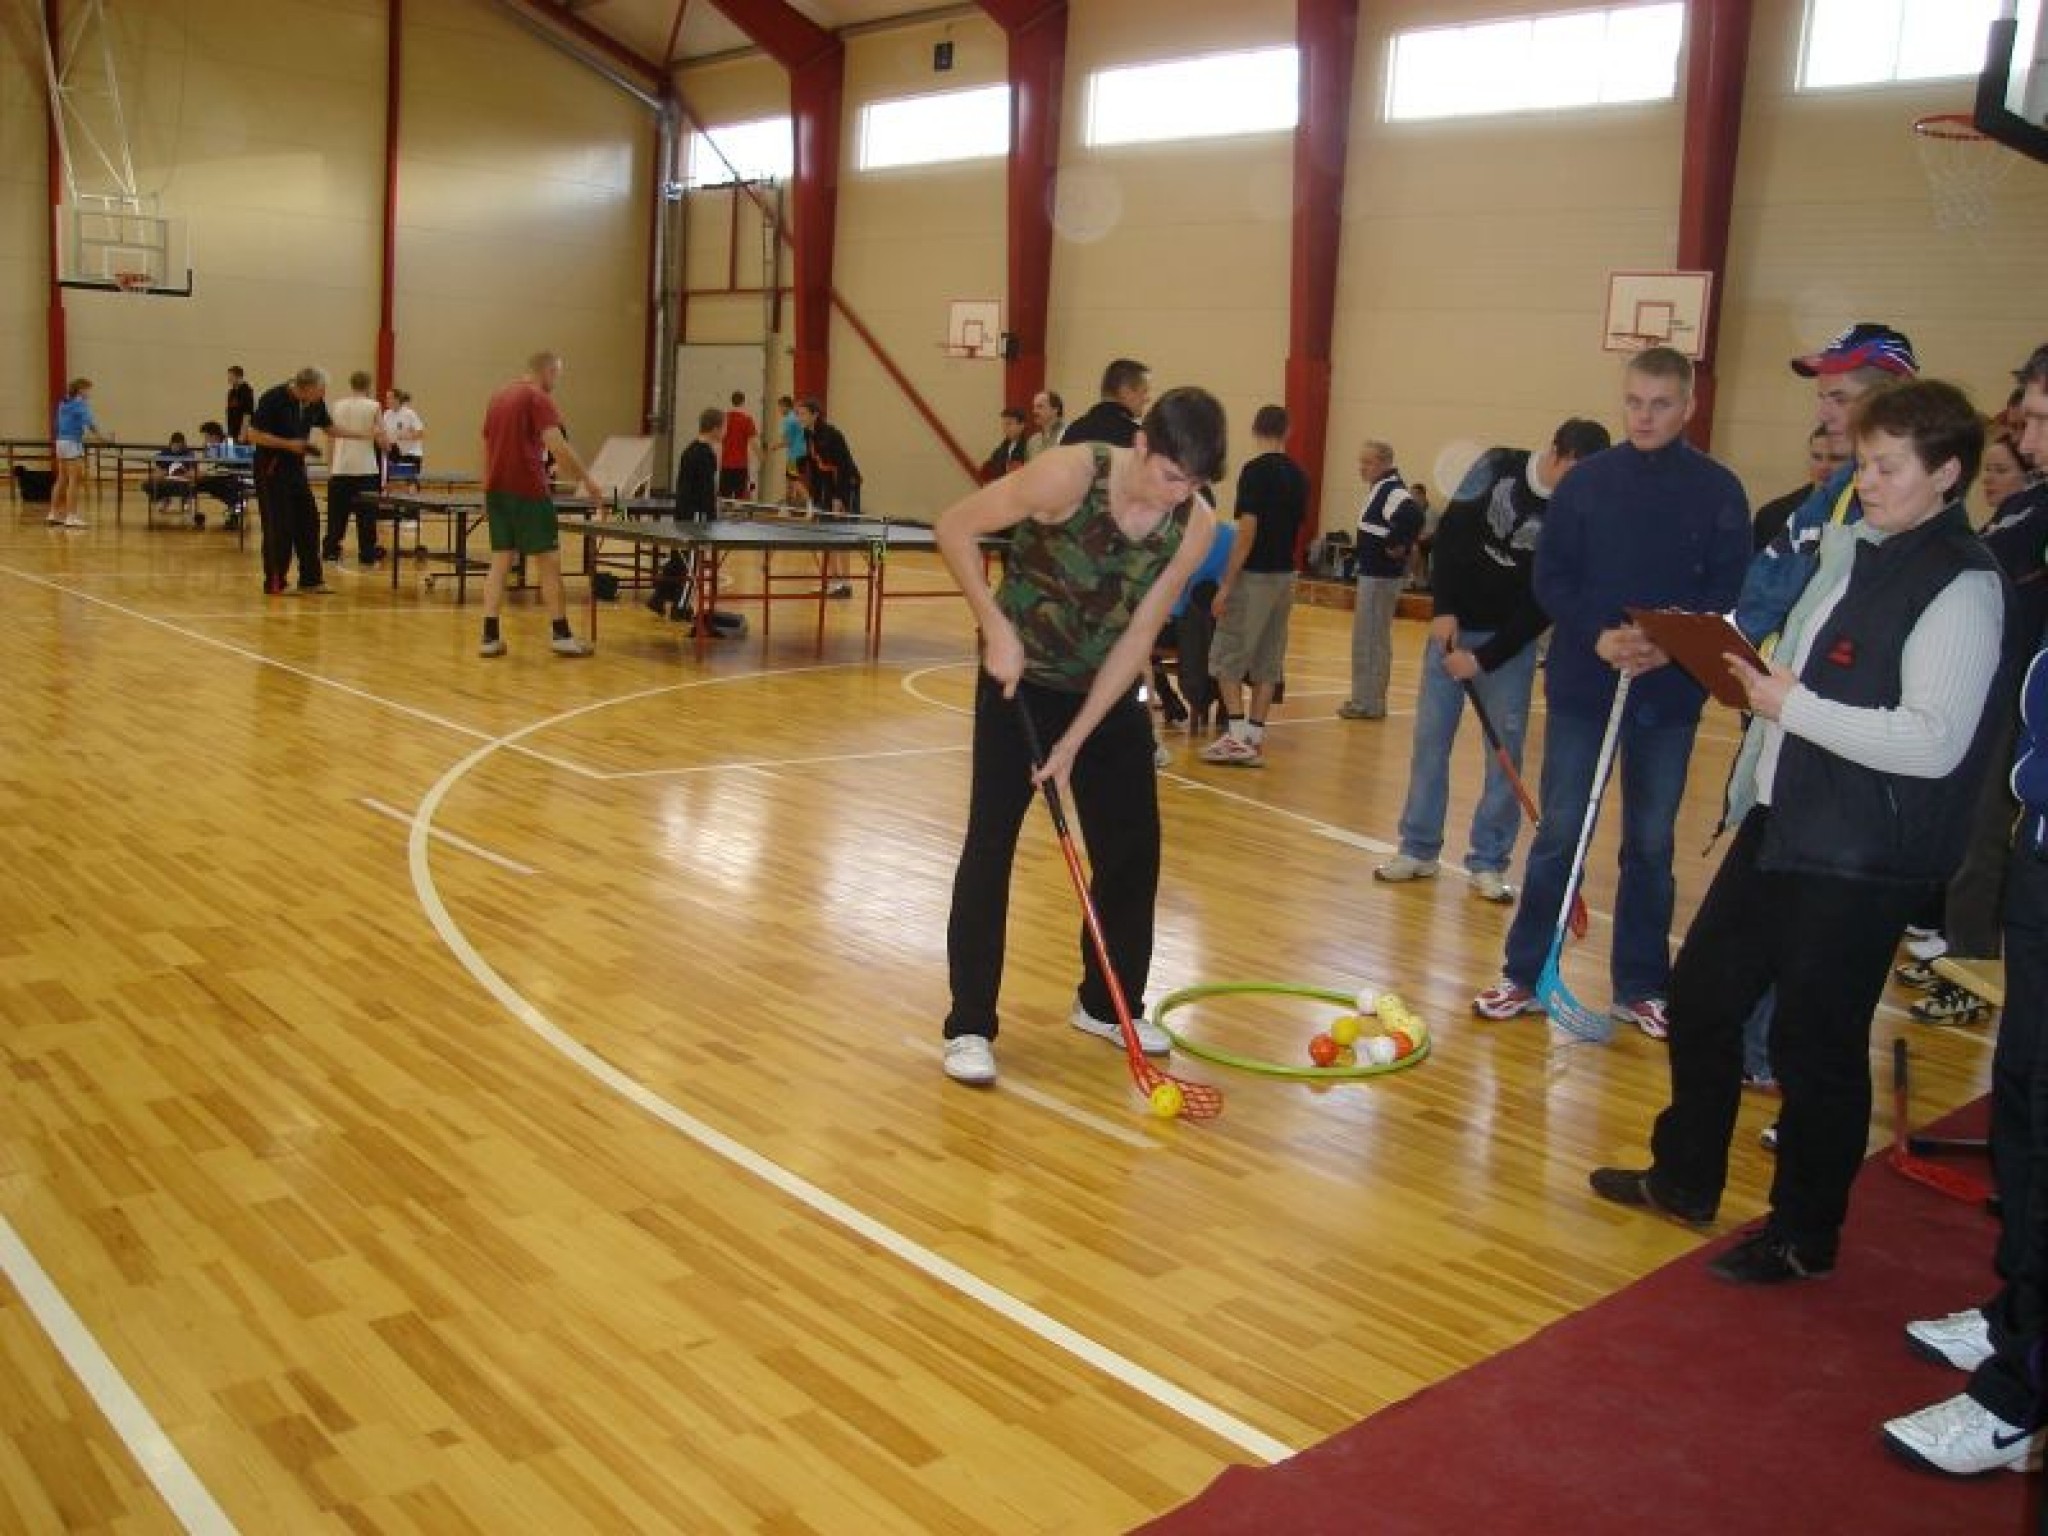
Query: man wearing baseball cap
[1856,362]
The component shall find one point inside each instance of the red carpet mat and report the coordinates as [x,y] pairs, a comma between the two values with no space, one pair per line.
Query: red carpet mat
[1679,1405]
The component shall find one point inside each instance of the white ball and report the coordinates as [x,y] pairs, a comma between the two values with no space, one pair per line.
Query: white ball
[1368,1002]
[1379,1050]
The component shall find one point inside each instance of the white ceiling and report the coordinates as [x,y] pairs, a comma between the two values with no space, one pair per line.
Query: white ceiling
[647,26]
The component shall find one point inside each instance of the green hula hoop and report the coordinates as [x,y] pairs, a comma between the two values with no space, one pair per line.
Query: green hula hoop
[1258,1064]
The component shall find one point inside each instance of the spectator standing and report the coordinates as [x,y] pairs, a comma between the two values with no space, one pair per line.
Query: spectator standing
[697,470]
[796,450]
[1772,518]
[1256,594]
[1650,523]
[404,434]
[353,425]
[75,423]
[1388,526]
[241,402]
[522,430]
[1008,454]
[1126,392]
[281,428]
[739,450]
[1048,422]
[835,477]
[1484,633]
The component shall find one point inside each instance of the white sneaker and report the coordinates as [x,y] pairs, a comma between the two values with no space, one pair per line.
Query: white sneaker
[1232,749]
[1963,1438]
[1152,1040]
[1162,756]
[1962,1339]
[1492,885]
[1930,947]
[74,521]
[491,648]
[971,1059]
[1401,868]
[569,645]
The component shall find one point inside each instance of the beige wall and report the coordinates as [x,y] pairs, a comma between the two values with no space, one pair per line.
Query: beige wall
[1470,286]
[522,215]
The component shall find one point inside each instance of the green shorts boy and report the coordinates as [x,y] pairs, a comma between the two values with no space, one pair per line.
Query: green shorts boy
[522,524]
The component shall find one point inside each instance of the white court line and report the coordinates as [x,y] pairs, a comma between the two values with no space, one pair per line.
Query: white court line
[1120,1368]
[188,1498]
[1058,1106]
[463,843]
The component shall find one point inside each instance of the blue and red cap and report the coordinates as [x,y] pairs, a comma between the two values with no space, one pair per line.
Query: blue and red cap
[1865,344]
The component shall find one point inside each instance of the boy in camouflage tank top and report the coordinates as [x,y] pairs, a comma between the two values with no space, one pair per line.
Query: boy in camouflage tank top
[1102,540]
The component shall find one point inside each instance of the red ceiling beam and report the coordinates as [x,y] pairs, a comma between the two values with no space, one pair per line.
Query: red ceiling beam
[1716,67]
[644,72]
[1037,33]
[1326,32]
[816,62]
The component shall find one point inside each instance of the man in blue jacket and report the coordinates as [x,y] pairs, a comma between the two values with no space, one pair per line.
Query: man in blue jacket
[1651,523]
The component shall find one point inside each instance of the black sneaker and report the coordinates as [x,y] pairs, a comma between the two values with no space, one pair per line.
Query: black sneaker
[1917,974]
[1632,1186]
[1947,1003]
[1764,1259]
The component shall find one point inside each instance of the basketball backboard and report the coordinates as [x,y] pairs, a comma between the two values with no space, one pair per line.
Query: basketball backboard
[1657,309]
[122,244]
[974,328]
[2012,92]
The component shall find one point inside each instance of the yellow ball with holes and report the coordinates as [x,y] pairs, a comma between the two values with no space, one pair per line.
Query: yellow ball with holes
[1344,1029]
[1167,1101]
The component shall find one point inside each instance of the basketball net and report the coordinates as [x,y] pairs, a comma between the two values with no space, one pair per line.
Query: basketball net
[1964,168]
[131,282]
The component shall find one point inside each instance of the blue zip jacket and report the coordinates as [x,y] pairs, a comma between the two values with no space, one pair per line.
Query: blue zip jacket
[74,419]
[1629,529]
[1782,568]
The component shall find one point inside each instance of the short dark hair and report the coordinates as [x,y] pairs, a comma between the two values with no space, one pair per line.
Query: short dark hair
[1123,374]
[1052,398]
[1934,416]
[235,369]
[212,429]
[710,419]
[739,397]
[1186,425]
[1014,413]
[814,405]
[1578,438]
[1663,363]
[2034,370]
[1270,421]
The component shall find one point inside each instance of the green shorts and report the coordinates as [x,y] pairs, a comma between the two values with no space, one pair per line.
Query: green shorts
[521,523]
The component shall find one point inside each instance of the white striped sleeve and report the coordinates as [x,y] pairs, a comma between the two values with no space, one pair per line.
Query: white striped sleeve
[1944,673]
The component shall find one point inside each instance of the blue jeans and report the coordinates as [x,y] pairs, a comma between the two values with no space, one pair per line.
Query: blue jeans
[1651,777]
[1439,709]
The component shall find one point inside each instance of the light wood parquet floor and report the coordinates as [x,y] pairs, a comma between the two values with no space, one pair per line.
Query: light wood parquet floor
[503,1097]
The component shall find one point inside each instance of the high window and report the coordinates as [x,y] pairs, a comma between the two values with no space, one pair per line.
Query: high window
[762,150]
[1619,53]
[1218,95]
[1874,42]
[930,130]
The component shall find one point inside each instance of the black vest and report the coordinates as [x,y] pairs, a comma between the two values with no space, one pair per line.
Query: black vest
[1835,817]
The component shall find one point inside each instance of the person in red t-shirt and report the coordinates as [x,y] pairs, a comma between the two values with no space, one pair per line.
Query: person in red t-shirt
[742,447]
[522,427]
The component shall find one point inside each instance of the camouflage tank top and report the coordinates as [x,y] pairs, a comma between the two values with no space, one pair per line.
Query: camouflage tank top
[1070,588]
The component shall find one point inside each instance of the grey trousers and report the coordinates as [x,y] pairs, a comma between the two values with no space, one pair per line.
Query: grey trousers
[1372,641]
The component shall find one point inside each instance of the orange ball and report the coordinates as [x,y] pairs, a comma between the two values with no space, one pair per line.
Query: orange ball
[1322,1050]
[1404,1043]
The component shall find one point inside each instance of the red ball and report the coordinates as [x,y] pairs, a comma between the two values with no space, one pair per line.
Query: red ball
[1322,1050]
[1404,1043]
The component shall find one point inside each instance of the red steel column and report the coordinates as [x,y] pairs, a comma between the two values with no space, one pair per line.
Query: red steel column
[387,333]
[1037,33]
[1326,32]
[816,61]
[1716,64]
[55,350]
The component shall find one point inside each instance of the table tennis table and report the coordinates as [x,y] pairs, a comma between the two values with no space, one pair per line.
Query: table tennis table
[708,550]
[459,514]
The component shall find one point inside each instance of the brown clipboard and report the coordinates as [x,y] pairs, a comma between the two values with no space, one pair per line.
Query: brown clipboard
[1698,642]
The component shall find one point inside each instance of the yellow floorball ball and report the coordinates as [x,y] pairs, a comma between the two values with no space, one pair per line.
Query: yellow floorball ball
[1390,1002]
[1344,1029]
[1167,1101]
[1347,1056]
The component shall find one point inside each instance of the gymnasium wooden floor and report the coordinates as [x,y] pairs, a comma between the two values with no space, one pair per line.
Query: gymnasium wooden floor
[447,1096]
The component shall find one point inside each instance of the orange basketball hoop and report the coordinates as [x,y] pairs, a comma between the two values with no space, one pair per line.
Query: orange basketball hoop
[131,282]
[1964,166]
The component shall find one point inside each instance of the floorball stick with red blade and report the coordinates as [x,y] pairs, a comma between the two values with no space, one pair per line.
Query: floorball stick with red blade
[1577,921]
[1198,1101]
[1952,1182]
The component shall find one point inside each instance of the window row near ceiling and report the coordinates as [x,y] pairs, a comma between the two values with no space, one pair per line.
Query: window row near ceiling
[1563,60]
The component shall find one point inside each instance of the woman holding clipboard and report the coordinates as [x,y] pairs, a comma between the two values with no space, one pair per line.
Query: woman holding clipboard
[1852,798]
